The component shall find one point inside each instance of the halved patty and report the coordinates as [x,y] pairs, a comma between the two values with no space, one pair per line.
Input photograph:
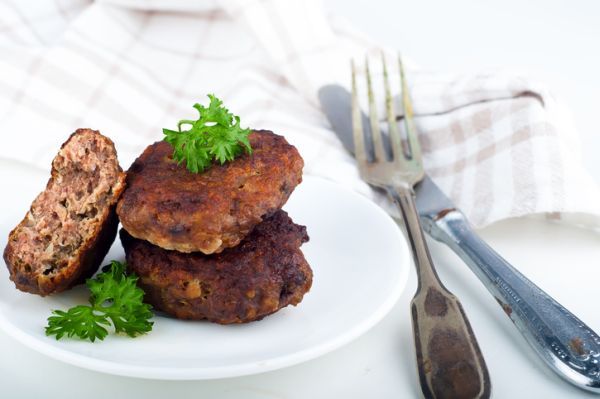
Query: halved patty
[264,273]
[72,223]
[173,208]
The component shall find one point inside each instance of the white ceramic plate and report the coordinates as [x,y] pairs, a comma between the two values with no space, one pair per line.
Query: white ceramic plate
[360,262]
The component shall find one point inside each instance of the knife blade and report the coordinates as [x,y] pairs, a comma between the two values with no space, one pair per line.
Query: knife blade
[564,342]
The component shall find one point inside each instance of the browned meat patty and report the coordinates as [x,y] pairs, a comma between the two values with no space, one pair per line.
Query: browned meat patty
[261,275]
[175,209]
[72,224]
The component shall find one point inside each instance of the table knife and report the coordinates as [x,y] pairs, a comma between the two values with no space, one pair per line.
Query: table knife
[565,343]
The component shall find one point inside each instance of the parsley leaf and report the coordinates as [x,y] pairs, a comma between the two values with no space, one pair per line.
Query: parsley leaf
[78,321]
[216,135]
[115,299]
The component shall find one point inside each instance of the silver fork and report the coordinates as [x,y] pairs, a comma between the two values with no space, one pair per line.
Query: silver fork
[449,361]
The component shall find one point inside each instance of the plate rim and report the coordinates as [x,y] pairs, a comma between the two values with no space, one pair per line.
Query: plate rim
[228,371]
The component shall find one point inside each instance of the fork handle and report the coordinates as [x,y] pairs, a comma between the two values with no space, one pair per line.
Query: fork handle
[566,344]
[449,361]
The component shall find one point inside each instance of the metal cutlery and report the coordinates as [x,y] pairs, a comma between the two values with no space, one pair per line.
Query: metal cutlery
[565,343]
[449,361]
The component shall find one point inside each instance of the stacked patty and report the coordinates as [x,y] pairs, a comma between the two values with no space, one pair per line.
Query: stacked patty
[216,245]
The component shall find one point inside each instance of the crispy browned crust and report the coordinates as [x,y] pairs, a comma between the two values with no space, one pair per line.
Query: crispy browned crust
[264,273]
[86,258]
[175,209]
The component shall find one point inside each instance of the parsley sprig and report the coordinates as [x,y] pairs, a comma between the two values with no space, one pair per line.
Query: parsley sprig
[216,135]
[115,299]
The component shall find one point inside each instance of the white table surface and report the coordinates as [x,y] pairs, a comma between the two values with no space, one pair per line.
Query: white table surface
[556,40]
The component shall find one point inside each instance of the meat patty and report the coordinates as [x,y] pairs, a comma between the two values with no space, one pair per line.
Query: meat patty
[175,209]
[72,224]
[264,273]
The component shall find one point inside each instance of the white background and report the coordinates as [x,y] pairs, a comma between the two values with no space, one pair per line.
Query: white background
[556,41]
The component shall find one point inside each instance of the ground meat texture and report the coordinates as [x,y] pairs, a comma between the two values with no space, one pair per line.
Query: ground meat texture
[264,273]
[173,208]
[72,223]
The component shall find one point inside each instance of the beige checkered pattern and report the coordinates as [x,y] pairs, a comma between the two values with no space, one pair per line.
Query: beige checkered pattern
[499,145]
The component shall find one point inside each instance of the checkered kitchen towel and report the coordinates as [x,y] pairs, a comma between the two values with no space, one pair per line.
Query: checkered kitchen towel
[499,145]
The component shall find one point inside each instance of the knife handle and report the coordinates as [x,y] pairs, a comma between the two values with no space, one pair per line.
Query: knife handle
[564,342]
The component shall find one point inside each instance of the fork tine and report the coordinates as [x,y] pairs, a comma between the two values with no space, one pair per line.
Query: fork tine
[375,130]
[357,127]
[409,123]
[394,132]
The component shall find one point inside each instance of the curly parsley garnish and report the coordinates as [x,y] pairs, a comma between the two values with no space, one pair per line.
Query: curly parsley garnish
[115,299]
[216,135]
